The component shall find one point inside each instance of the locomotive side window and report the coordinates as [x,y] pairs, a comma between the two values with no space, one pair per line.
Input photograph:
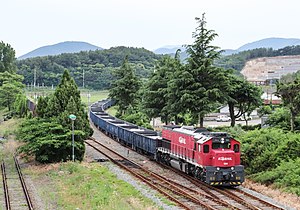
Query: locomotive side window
[221,145]
[236,148]
[206,148]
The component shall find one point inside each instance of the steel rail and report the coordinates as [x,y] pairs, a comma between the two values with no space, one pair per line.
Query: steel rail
[5,187]
[150,182]
[25,190]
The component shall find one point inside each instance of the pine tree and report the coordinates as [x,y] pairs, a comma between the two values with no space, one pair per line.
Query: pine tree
[157,97]
[198,86]
[125,88]
[20,105]
[55,145]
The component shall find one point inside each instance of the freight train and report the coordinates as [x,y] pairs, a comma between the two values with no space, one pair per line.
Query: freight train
[212,157]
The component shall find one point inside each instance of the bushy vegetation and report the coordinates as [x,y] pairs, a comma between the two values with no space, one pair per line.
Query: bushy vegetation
[48,136]
[266,154]
[48,141]
[286,176]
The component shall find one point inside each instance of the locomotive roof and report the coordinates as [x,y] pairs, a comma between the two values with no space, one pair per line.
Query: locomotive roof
[201,134]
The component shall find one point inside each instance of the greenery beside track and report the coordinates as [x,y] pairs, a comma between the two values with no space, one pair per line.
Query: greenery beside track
[86,186]
[270,155]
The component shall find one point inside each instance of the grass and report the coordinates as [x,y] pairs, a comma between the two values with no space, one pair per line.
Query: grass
[94,95]
[8,127]
[112,111]
[88,186]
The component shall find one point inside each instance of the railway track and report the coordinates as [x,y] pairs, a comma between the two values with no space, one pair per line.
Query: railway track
[232,198]
[16,194]
[235,196]
[184,196]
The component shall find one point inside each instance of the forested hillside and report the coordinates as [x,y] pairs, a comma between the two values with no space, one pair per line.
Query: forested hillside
[59,48]
[237,61]
[96,66]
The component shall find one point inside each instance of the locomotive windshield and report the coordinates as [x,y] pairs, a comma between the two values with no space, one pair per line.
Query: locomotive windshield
[225,145]
[221,143]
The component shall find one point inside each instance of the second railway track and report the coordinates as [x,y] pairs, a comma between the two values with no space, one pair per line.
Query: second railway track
[15,193]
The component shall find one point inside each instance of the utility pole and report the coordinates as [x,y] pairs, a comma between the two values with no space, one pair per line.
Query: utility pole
[34,77]
[83,78]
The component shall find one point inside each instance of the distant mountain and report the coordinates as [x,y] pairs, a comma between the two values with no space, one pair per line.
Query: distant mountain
[275,43]
[169,49]
[62,47]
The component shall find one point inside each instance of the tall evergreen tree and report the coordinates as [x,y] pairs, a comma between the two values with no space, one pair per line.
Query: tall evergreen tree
[125,88]
[65,101]
[54,142]
[20,105]
[156,99]
[200,84]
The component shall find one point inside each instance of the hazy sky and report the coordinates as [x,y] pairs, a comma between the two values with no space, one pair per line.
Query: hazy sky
[29,24]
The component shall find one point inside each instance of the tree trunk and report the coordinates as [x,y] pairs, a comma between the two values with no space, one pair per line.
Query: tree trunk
[176,120]
[293,116]
[201,120]
[231,113]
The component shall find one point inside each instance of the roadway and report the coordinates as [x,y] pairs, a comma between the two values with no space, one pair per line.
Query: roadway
[216,124]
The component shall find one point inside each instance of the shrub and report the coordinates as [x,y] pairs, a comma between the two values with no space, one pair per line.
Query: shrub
[286,175]
[264,149]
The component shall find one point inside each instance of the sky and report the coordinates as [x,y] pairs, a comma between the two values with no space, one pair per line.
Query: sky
[29,24]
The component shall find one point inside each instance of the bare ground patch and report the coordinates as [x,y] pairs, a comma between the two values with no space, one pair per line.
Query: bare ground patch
[276,194]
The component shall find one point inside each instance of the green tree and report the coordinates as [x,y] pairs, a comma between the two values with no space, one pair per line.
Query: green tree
[125,88]
[48,141]
[156,97]
[290,95]
[42,106]
[20,105]
[281,118]
[7,58]
[9,77]
[65,101]
[49,136]
[8,94]
[199,85]
[242,95]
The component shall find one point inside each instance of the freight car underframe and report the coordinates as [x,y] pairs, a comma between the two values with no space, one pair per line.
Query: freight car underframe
[218,176]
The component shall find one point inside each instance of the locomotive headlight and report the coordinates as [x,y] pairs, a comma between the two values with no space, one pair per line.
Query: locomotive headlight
[218,168]
[232,168]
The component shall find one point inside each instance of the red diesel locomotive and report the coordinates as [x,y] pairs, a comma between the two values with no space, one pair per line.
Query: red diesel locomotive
[213,157]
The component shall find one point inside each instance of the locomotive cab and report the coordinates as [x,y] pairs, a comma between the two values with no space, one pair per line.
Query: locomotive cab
[222,160]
